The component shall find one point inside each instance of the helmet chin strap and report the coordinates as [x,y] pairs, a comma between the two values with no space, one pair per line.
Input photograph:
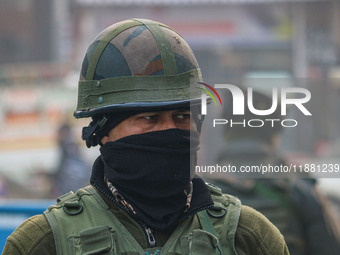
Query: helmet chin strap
[88,133]
[197,116]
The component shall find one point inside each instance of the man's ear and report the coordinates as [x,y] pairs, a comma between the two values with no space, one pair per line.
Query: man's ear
[104,140]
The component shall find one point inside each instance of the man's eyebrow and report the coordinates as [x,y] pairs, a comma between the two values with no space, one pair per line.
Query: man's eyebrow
[183,110]
[146,113]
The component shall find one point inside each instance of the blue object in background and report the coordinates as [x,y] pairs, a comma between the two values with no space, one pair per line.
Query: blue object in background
[14,212]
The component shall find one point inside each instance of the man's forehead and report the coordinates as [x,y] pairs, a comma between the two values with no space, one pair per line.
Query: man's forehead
[166,111]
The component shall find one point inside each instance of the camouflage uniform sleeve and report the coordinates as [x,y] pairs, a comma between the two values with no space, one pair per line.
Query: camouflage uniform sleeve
[257,235]
[34,236]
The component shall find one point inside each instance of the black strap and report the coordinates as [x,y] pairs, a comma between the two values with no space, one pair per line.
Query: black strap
[88,132]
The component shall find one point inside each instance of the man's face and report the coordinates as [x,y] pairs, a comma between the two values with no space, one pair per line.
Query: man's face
[151,121]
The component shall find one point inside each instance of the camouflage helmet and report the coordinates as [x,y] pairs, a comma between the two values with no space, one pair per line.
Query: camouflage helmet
[137,64]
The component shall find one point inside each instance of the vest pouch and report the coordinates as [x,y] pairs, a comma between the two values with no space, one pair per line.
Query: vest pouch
[199,242]
[100,240]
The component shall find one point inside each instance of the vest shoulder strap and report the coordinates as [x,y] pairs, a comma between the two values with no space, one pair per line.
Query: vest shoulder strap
[224,216]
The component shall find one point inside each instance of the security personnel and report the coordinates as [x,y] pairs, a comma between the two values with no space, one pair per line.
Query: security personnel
[139,84]
[290,201]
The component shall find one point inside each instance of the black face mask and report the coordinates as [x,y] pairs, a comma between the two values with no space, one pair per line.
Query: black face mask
[152,172]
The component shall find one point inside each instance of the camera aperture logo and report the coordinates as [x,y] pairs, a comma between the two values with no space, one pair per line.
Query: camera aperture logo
[288,96]
[211,95]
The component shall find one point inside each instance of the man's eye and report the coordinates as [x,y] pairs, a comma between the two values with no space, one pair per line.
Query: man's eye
[150,117]
[184,116]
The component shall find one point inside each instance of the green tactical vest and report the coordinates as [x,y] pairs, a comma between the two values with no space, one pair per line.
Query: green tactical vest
[82,223]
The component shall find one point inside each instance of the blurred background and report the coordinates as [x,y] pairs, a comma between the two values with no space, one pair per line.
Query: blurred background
[43,42]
